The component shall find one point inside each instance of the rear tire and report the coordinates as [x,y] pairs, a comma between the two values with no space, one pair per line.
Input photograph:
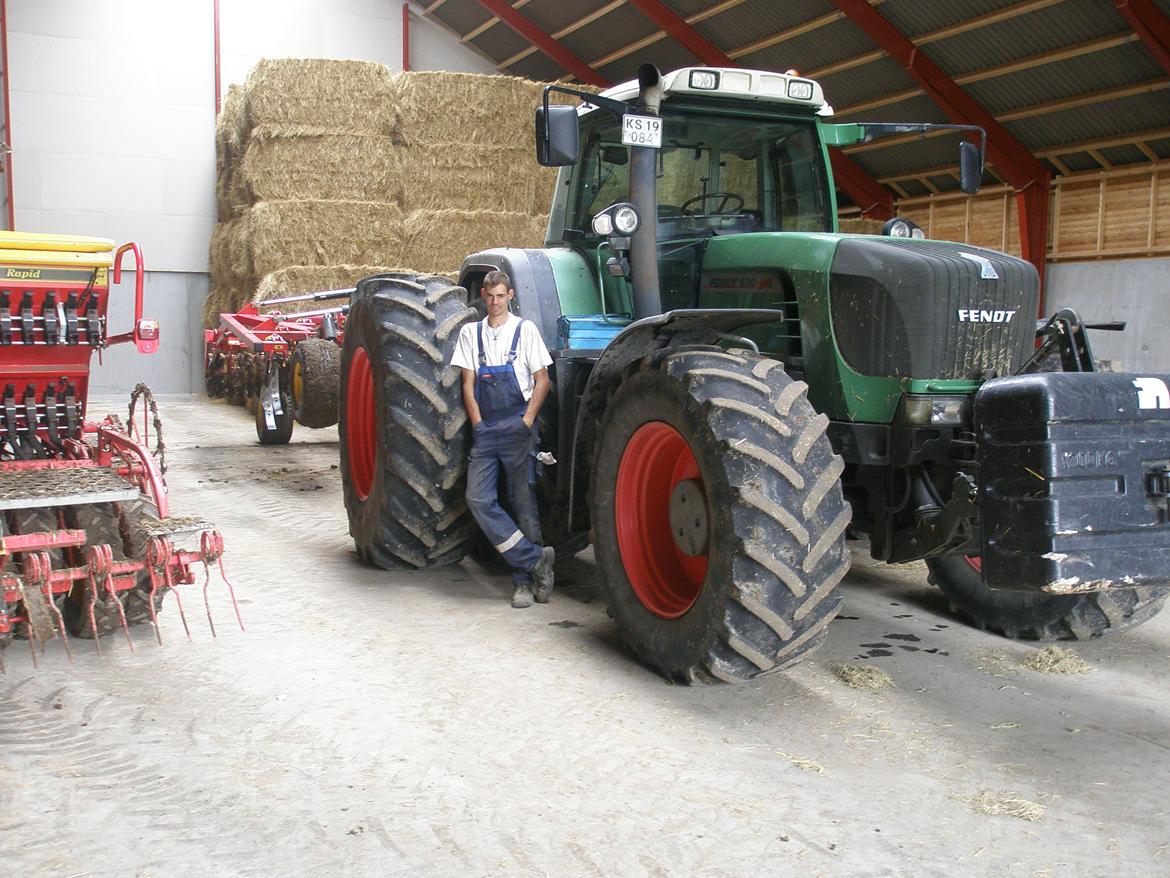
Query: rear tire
[761,594]
[315,380]
[1025,615]
[403,427]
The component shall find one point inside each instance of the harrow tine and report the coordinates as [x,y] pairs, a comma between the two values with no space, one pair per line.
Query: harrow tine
[109,584]
[32,644]
[55,610]
[150,600]
[211,549]
[46,570]
[178,602]
[94,563]
[206,602]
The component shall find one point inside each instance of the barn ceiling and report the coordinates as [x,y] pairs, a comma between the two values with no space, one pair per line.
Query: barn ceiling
[1073,85]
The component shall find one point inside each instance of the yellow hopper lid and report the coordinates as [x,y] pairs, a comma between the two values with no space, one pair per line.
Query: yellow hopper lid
[38,248]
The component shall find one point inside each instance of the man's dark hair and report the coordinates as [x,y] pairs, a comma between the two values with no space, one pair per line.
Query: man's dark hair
[495,278]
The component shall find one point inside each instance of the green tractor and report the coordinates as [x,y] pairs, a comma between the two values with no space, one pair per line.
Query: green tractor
[738,386]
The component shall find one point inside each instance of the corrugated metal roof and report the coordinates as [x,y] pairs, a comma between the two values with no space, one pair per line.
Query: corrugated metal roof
[552,17]
[825,45]
[968,45]
[500,42]
[461,17]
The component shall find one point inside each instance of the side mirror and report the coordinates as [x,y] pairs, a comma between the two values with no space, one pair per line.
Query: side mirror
[557,142]
[970,168]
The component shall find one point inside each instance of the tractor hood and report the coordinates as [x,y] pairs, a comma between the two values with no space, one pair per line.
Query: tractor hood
[931,309]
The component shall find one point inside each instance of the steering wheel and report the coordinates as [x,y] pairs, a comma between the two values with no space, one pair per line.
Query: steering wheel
[724,199]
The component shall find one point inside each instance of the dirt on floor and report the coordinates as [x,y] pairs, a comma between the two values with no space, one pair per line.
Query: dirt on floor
[412,723]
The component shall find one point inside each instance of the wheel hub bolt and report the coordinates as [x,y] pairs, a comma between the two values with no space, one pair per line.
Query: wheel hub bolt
[689,519]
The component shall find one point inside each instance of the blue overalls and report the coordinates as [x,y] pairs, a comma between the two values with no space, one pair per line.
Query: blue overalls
[503,441]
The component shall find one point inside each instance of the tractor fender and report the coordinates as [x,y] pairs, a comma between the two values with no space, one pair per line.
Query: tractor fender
[691,326]
[532,277]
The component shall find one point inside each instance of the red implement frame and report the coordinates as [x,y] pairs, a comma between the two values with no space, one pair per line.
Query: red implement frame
[261,332]
[52,319]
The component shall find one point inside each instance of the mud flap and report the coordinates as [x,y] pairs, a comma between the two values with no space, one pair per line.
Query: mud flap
[1074,481]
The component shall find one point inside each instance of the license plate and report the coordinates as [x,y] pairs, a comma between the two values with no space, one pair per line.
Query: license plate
[641,131]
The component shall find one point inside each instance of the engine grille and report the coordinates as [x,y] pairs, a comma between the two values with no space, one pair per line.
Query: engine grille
[927,309]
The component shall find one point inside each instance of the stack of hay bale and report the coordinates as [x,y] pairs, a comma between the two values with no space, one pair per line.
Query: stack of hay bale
[328,171]
[469,156]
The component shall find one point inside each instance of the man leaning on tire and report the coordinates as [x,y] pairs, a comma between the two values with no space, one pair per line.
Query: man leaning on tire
[505,364]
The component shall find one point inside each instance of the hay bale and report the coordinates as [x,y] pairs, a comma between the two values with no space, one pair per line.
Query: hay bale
[229,127]
[441,107]
[351,96]
[284,233]
[295,163]
[222,300]
[297,279]
[442,176]
[860,225]
[231,195]
[438,240]
[228,255]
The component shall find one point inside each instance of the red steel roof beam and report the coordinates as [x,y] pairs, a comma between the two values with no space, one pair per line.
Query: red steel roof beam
[1013,162]
[1149,23]
[570,62]
[874,199]
[683,33]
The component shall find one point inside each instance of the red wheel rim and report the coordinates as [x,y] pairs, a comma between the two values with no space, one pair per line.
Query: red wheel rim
[665,579]
[360,424]
[975,562]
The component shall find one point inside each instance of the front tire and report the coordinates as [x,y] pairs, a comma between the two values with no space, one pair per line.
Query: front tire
[1024,615]
[403,427]
[755,589]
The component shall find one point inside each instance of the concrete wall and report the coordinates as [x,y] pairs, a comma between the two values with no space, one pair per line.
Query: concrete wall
[1134,290]
[175,298]
[113,125]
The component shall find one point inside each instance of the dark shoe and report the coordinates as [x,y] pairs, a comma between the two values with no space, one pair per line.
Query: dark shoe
[542,575]
[522,596]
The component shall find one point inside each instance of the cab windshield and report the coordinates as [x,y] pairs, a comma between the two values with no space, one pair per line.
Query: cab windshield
[716,175]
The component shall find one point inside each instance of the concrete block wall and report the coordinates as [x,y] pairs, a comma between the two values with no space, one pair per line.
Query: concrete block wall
[113,121]
[1134,290]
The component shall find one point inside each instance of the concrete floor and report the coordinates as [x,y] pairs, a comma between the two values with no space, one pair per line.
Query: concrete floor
[371,723]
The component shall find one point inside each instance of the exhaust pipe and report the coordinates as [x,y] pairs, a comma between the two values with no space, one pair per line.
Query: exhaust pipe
[644,197]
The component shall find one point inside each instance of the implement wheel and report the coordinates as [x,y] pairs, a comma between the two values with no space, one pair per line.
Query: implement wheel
[404,435]
[279,432]
[719,518]
[1026,615]
[314,382]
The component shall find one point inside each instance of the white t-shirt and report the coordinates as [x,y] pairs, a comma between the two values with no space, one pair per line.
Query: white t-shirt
[531,353]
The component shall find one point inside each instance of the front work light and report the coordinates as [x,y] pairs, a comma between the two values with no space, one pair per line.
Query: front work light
[617,219]
[799,90]
[902,228]
[625,219]
[706,79]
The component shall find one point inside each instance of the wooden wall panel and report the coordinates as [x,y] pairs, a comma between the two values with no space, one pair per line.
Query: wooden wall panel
[1117,213]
